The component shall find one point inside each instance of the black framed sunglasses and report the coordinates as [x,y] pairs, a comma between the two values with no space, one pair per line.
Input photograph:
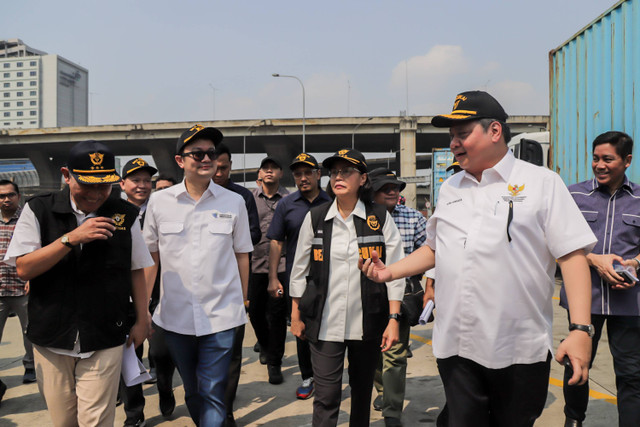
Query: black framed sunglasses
[199,155]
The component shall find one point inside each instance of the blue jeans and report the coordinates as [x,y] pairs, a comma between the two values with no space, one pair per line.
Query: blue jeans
[203,364]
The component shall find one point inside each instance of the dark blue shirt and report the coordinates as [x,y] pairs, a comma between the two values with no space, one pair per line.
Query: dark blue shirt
[252,210]
[615,220]
[288,218]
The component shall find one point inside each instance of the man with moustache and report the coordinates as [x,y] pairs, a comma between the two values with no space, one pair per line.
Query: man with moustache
[83,255]
[284,230]
[199,232]
[268,315]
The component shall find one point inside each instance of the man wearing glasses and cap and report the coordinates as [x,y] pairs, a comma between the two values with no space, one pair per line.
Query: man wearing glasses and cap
[199,232]
[84,255]
[495,236]
[390,379]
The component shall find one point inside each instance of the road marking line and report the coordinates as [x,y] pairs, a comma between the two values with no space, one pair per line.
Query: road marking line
[553,381]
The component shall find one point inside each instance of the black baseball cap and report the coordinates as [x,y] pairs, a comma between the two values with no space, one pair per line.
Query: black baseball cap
[304,159]
[351,156]
[91,162]
[270,159]
[472,105]
[382,176]
[455,166]
[212,134]
[134,165]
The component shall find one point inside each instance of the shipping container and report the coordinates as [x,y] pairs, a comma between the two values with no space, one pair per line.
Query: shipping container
[441,159]
[593,80]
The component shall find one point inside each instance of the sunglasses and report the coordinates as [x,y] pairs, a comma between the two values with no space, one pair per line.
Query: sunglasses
[345,173]
[8,195]
[198,156]
[388,189]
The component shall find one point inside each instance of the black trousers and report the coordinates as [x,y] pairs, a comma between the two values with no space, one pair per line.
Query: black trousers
[481,397]
[160,358]
[132,397]
[624,343]
[268,317]
[234,369]
[327,358]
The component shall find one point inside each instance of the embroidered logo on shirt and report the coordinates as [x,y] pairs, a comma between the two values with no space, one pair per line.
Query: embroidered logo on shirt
[373,223]
[221,215]
[514,193]
[118,219]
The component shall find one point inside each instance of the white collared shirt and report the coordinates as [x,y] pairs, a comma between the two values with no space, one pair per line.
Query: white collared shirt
[494,297]
[342,314]
[201,291]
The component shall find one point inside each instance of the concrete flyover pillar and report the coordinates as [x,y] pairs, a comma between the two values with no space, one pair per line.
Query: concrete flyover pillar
[408,129]
[48,168]
[164,158]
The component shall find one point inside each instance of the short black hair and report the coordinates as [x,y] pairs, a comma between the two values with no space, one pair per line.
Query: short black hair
[620,140]
[7,182]
[163,177]
[223,149]
[506,130]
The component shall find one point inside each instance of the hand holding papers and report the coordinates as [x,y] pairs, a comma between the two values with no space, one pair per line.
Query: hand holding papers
[133,371]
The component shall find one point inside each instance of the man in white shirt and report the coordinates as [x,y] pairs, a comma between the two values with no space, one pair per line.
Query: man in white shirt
[199,231]
[498,228]
[84,255]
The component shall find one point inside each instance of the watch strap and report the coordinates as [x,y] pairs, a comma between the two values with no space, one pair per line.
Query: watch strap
[395,316]
[585,328]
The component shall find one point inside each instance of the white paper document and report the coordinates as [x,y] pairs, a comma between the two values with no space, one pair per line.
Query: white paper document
[133,371]
[426,313]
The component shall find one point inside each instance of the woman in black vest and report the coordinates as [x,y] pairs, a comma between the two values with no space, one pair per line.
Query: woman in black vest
[336,307]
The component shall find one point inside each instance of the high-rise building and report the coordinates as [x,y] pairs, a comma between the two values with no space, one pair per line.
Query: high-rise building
[40,90]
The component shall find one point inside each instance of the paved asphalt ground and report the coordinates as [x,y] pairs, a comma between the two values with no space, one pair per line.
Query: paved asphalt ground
[259,403]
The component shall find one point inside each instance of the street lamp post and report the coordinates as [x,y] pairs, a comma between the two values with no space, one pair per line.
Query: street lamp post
[214,100]
[353,134]
[303,107]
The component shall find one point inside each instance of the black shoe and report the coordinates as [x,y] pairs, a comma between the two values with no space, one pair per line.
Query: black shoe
[29,376]
[377,403]
[167,403]
[139,422]
[154,377]
[409,353]
[3,390]
[263,358]
[392,422]
[256,347]
[275,374]
[570,422]
[230,421]
[118,400]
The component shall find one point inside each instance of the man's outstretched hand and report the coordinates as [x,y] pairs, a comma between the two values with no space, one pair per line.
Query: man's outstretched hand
[375,269]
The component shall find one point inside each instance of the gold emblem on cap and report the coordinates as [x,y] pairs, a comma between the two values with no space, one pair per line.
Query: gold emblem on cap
[96,158]
[302,157]
[139,162]
[342,152]
[373,223]
[197,128]
[457,101]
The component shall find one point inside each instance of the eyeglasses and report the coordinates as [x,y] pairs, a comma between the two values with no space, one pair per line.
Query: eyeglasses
[8,195]
[388,189]
[198,156]
[345,173]
[307,173]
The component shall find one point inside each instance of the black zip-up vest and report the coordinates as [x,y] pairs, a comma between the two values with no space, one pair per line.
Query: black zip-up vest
[87,292]
[375,303]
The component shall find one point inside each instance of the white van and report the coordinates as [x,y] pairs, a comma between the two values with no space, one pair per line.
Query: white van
[532,147]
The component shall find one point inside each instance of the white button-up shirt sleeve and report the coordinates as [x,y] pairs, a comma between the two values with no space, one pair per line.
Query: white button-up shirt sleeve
[395,252]
[140,256]
[26,236]
[301,262]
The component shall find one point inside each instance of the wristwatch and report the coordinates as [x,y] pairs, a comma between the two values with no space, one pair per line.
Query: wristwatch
[589,329]
[65,241]
[394,316]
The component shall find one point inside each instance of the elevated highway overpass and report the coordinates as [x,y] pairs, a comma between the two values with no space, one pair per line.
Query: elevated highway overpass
[405,137]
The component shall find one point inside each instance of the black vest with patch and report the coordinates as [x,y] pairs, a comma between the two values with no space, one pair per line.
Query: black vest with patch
[375,304]
[87,291]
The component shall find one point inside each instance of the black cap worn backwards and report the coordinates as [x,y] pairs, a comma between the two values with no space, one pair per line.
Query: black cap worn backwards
[472,105]
[135,165]
[382,176]
[212,134]
[91,162]
[350,155]
[304,159]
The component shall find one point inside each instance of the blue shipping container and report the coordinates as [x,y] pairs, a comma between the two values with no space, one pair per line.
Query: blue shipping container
[441,159]
[593,77]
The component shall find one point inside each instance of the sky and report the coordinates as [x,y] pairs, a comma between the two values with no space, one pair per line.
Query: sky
[153,61]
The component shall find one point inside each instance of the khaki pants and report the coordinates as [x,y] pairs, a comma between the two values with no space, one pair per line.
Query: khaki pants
[79,392]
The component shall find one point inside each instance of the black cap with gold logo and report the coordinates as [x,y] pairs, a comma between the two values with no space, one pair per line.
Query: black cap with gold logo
[189,135]
[351,156]
[91,162]
[472,105]
[135,165]
[304,159]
